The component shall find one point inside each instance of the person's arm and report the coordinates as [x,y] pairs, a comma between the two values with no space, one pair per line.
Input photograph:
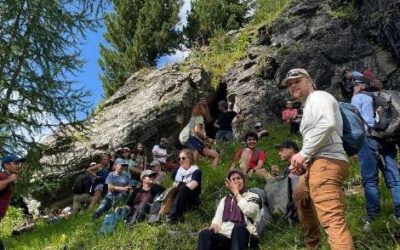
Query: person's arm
[9,180]
[92,170]
[113,188]
[196,179]
[238,118]
[216,125]
[217,220]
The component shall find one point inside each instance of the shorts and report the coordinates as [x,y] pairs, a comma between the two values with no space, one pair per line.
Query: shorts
[99,187]
[195,143]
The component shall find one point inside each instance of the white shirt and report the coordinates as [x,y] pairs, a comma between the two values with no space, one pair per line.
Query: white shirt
[159,154]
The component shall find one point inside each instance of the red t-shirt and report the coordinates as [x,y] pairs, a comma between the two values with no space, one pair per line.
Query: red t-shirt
[5,195]
[255,157]
[289,114]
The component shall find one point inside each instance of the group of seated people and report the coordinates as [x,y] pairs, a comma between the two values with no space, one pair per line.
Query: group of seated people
[123,177]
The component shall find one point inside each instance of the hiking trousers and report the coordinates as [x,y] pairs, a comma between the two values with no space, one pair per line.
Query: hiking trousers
[319,199]
[79,201]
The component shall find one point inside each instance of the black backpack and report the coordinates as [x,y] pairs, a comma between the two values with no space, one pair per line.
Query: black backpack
[82,184]
[387,125]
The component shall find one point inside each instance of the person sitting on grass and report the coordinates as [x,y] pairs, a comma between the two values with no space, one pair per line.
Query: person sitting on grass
[99,174]
[161,175]
[81,191]
[139,201]
[188,181]
[225,120]
[261,132]
[234,223]
[119,185]
[252,159]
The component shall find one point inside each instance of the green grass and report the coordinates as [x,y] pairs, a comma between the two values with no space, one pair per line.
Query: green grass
[348,12]
[80,232]
[268,10]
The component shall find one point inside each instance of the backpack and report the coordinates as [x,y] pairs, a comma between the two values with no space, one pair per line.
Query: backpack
[109,223]
[82,184]
[162,204]
[278,193]
[265,213]
[387,120]
[185,133]
[353,128]
[372,80]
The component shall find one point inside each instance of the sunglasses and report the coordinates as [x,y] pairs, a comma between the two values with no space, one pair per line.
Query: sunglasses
[182,158]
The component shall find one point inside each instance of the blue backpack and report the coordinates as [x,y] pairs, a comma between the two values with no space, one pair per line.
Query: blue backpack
[353,128]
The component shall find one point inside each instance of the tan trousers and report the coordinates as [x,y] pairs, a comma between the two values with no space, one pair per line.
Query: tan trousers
[78,201]
[319,197]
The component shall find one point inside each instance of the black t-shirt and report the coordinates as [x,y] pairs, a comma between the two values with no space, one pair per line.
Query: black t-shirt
[225,120]
[139,195]
[194,198]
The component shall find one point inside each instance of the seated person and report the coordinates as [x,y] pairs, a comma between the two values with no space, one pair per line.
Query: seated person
[225,120]
[252,159]
[99,174]
[234,223]
[161,175]
[260,130]
[81,191]
[139,201]
[188,181]
[119,185]
[160,154]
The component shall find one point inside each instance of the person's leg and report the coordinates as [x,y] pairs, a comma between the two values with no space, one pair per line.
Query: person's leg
[96,197]
[76,204]
[368,157]
[209,240]
[306,212]
[245,159]
[326,179]
[180,203]
[391,174]
[213,155]
[240,237]
[219,135]
[105,205]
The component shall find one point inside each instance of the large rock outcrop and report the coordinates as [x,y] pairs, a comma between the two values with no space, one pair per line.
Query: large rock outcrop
[323,36]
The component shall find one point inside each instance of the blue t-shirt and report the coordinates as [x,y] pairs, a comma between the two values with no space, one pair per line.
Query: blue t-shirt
[194,198]
[118,180]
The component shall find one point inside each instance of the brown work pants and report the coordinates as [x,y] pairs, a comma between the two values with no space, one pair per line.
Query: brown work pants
[319,197]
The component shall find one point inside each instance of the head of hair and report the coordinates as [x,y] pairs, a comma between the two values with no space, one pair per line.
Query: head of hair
[201,109]
[136,150]
[251,134]
[189,154]
[223,104]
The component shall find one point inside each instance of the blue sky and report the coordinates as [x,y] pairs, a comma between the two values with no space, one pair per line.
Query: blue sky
[89,76]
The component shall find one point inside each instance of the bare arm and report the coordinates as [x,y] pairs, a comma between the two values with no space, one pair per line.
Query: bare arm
[93,169]
[10,179]
[192,184]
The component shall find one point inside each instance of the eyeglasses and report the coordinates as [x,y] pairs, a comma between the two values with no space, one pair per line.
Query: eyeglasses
[182,158]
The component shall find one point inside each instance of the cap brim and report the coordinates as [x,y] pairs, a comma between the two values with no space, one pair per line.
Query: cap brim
[284,82]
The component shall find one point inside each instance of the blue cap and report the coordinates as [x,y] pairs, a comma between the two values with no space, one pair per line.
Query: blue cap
[11,158]
[121,162]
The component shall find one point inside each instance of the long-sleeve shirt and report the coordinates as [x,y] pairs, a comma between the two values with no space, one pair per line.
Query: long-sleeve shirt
[322,127]
[249,205]
[365,104]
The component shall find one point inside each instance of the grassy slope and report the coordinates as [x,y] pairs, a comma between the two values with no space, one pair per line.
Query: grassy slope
[80,232]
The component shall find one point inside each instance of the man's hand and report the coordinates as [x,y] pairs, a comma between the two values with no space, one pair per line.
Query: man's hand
[215,228]
[275,170]
[12,178]
[297,161]
[232,186]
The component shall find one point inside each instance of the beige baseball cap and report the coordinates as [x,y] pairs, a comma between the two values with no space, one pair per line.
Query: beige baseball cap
[294,74]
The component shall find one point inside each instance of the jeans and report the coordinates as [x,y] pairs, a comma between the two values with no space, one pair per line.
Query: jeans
[224,135]
[319,199]
[374,156]
[108,201]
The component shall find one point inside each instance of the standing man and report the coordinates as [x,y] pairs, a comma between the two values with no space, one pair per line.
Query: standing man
[225,120]
[11,164]
[375,155]
[319,195]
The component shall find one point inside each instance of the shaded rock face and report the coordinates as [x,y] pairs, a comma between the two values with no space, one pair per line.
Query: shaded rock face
[308,34]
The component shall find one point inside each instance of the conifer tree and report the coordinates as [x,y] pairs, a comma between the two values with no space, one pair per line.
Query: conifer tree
[38,51]
[138,32]
[206,17]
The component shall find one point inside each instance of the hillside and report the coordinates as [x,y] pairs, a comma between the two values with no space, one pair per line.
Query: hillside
[80,232]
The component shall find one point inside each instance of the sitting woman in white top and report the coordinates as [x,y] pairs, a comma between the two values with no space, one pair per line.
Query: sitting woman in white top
[234,223]
[188,181]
